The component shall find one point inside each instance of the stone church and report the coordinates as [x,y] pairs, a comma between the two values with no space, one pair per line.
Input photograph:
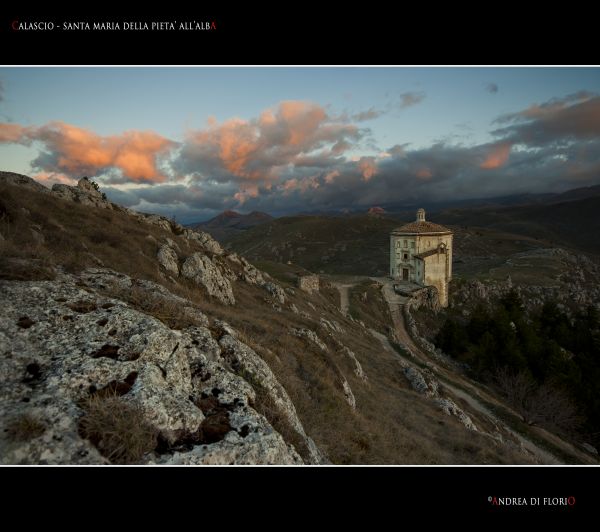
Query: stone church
[421,253]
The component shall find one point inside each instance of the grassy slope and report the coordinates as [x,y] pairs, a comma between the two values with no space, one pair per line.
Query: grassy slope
[392,424]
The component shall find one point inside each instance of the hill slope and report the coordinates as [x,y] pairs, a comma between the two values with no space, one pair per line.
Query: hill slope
[229,224]
[112,319]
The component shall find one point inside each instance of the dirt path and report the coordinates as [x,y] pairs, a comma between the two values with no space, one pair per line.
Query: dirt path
[344,290]
[458,386]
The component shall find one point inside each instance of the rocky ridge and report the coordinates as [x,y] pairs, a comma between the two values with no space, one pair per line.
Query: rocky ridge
[67,340]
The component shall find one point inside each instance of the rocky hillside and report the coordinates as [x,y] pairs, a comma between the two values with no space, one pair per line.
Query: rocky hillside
[127,338]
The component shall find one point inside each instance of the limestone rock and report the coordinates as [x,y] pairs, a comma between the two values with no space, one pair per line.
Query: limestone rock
[450,408]
[83,193]
[349,395]
[276,291]
[200,269]
[250,274]
[244,360]
[62,340]
[86,185]
[310,335]
[332,325]
[167,258]
[204,239]
[358,370]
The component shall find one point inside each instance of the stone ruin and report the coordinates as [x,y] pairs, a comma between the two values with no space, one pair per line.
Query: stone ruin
[308,283]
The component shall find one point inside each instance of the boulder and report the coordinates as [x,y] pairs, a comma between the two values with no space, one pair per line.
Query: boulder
[205,240]
[167,258]
[311,336]
[275,291]
[200,269]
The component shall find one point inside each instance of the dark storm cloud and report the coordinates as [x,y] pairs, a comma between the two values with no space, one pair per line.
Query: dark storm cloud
[573,118]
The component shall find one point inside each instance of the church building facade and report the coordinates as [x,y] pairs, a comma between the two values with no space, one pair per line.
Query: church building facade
[421,253]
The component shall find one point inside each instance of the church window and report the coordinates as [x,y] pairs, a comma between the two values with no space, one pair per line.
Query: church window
[406,256]
[412,244]
[405,244]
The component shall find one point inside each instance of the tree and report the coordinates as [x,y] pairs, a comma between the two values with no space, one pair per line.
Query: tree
[545,405]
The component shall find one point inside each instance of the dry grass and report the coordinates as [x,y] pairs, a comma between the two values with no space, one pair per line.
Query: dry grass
[368,305]
[25,427]
[74,236]
[391,423]
[117,429]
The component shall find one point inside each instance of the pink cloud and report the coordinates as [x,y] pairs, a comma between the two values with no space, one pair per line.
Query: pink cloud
[11,132]
[367,167]
[292,133]
[497,157]
[74,151]
[51,178]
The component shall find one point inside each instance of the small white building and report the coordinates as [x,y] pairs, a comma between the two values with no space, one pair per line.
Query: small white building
[421,253]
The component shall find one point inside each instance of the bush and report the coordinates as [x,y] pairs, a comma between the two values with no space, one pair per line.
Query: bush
[117,429]
[25,427]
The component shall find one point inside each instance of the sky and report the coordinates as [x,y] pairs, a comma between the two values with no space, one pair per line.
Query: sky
[191,142]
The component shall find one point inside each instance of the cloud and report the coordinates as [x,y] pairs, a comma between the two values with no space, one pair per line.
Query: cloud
[283,139]
[368,167]
[408,99]
[573,118]
[299,157]
[497,156]
[370,114]
[13,133]
[74,151]
[51,178]
[492,88]
[1,91]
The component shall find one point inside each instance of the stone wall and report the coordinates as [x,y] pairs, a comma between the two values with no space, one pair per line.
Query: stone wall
[308,283]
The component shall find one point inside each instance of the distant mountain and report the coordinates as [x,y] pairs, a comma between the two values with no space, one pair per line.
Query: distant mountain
[230,224]
[358,244]
[352,244]
[562,220]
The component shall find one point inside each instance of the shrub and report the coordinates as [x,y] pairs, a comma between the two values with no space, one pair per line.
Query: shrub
[25,427]
[117,429]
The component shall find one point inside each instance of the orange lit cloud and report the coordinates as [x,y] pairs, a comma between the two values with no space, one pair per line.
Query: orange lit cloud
[75,151]
[497,157]
[50,178]
[292,133]
[367,167]
[11,132]
[424,173]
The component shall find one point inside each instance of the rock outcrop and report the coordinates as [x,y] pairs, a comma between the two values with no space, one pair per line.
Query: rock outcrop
[200,269]
[167,258]
[65,341]
[275,291]
[84,193]
[204,239]
[311,336]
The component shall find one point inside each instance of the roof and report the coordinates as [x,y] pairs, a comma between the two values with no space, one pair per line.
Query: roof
[426,254]
[421,227]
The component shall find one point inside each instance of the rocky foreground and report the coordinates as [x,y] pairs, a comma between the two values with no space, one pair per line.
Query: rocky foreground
[69,349]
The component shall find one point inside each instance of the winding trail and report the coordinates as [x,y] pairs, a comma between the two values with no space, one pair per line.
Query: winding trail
[455,384]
